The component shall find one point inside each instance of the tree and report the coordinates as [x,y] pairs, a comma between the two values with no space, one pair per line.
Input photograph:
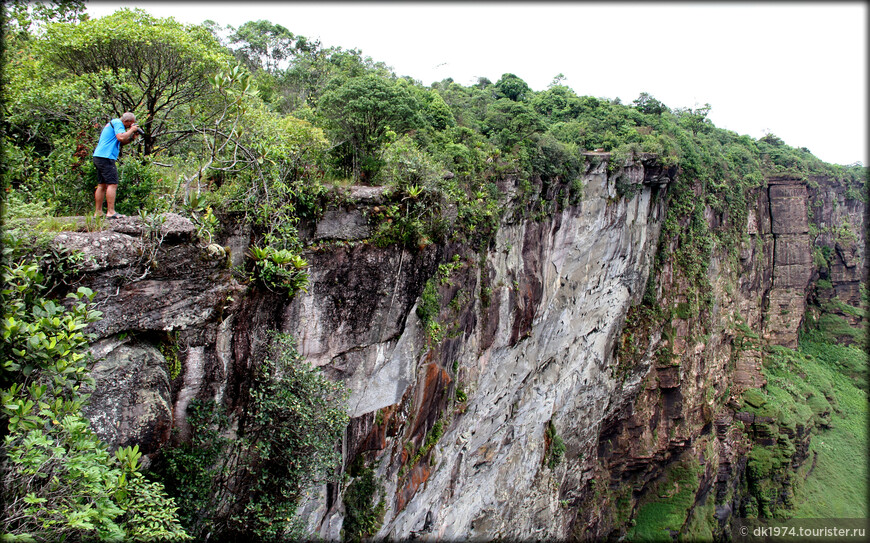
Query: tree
[438,113]
[290,70]
[513,87]
[44,115]
[315,68]
[694,120]
[361,110]
[645,103]
[266,46]
[509,123]
[20,15]
[559,103]
[139,63]
[557,80]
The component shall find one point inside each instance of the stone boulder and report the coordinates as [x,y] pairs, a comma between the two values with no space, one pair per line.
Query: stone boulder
[130,403]
[172,225]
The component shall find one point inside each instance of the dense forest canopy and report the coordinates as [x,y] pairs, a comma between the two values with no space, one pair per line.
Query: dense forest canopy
[258,124]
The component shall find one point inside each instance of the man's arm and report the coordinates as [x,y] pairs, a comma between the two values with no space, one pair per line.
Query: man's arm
[129,135]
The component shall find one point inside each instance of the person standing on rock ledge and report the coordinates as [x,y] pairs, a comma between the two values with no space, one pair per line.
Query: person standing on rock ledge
[117,132]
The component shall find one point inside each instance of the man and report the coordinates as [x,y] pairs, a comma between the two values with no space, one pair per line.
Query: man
[117,132]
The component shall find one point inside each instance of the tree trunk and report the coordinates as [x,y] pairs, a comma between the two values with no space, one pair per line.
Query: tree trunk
[357,174]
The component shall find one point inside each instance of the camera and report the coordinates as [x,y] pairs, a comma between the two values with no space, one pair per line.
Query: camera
[140,131]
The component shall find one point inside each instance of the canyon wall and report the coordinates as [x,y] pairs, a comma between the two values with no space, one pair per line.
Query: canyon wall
[540,400]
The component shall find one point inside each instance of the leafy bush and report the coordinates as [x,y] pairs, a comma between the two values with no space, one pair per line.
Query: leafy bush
[405,166]
[556,448]
[248,485]
[16,207]
[363,517]
[428,309]
[279,269]
[140,186]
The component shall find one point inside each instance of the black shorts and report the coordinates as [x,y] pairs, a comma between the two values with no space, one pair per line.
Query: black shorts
[107,172]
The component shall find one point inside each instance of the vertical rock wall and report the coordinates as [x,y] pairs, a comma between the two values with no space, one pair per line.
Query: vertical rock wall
[456,426]
[685,411]
[792,260]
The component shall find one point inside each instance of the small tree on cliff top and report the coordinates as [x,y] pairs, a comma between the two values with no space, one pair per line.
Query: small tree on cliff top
[362,110]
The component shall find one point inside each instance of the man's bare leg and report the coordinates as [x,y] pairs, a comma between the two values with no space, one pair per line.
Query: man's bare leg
[99,195]
[110,199]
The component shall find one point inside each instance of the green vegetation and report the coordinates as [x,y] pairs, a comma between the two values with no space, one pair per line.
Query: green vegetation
[555,446]
[364,504]
[431,439]
[429,442]
[832,320]
[668,504]
[278,269]
[58,478]
[835,478]
[428,309]
[819,388]
[261,124]
[169,350]
[248,484]
[703,522]
[816,394]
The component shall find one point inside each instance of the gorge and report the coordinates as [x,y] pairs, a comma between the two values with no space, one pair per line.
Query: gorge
[558,380]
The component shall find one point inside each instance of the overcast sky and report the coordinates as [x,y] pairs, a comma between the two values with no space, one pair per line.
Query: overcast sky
[798,70]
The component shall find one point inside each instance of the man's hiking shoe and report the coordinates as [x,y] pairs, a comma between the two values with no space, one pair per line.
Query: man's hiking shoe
[116,216]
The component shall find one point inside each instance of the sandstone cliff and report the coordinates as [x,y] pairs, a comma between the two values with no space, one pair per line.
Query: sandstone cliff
[538,401]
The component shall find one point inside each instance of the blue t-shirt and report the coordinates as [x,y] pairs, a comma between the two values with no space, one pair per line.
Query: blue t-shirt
[109,146]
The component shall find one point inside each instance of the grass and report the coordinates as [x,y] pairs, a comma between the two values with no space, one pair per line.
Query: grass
[700,526]
[837,487]
[668,504]
[836,327]
[57,224]
[849,360]
[823,386]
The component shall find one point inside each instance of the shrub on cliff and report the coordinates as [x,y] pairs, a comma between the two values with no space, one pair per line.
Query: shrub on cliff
[248,485]
[278,270]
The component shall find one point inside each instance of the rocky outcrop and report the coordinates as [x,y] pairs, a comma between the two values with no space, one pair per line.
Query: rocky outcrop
[131,402]
[531,325]
[686,410]
[792,260]
[838,225]
[156,287]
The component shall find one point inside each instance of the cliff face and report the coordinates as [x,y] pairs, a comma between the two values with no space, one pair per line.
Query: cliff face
[792,260]
[536,399]
[529,328]
[687,412]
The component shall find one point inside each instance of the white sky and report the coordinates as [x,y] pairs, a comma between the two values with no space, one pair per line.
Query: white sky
[798,70]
